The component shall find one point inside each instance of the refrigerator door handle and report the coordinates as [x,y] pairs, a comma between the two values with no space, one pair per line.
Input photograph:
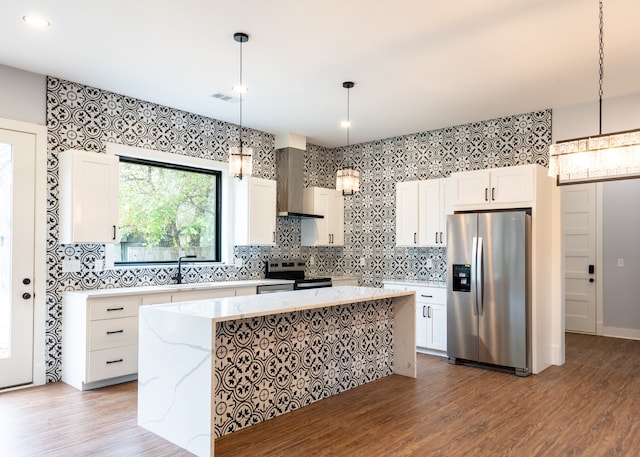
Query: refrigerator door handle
[474,274]
[479,278]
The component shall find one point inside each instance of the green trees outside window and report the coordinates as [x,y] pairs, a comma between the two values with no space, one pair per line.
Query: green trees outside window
[167,211]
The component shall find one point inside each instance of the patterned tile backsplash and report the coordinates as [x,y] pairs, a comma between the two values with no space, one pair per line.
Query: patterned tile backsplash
[88,118]
[297,358]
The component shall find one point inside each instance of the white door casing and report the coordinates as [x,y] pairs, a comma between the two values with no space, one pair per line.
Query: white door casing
[579,230]
[17,159]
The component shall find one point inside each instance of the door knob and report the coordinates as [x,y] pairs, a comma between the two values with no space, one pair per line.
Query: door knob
[26,295]
[26,281]
[591,280]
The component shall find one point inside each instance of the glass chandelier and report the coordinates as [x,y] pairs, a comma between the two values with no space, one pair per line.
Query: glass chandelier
[597,158]
[348,179]
[240,157]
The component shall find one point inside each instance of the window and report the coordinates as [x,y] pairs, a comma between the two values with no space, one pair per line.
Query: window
[166,211]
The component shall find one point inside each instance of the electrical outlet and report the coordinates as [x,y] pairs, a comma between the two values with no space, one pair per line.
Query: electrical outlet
[99,265]
[70,265]
[429,263]
[238,262]
[621,263]
[312,260]
[363,262]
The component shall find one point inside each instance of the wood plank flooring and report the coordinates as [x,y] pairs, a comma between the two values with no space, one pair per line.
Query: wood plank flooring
[588,407]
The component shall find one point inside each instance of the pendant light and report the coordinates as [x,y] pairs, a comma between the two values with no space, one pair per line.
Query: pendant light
[348,179]
[596,158]
[240,157]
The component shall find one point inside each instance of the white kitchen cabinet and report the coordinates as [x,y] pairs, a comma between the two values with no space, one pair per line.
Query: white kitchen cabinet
[436,195]
[431,316]
[407,204]
[326,231]
[421,212]
[255,211]
[100,334]
[89,208]
[507,187]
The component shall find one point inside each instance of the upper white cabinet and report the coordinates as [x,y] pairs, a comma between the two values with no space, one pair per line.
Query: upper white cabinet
[255,211]
[326,231]
[421,212]
[507,187]
[88,197]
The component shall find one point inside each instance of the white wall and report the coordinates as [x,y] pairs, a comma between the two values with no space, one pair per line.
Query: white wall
[621,240]
[621,212]
[23,95]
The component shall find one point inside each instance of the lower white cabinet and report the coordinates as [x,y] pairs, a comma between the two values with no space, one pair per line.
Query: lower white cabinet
[431,316]
[100,334]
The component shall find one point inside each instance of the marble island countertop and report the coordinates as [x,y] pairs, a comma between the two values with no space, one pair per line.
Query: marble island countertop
[224,309]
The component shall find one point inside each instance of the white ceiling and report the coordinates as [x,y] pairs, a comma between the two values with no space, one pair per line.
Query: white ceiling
[418,64]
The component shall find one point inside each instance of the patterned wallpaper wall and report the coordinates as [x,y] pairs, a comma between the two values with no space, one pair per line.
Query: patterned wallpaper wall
[87,118]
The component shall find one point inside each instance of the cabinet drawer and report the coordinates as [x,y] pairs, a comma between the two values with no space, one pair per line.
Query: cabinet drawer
[111,333]
[110,363]
[245,291]
[113,307]
[202,294]
[430,295]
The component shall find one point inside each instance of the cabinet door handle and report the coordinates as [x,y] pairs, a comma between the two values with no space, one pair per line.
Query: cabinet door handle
[486,194]
[109,362]
[423,310]
[493,194]
[441,238]
[426,296]
[115,309]
[429,312]
[114,232]
[415,239]
[274,237]
[111,332]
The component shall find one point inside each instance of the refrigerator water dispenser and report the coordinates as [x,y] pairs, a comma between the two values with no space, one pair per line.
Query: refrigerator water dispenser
[461,278]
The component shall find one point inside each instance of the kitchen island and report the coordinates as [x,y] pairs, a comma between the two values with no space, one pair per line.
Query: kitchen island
[211,367]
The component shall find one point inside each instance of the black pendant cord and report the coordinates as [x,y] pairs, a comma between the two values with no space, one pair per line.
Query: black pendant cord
[348,119]
[601,74]
[241,89]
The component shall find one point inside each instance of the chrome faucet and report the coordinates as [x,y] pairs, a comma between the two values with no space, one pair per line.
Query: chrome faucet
[179,276]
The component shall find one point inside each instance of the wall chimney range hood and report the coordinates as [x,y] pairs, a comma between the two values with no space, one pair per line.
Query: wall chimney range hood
[290,183]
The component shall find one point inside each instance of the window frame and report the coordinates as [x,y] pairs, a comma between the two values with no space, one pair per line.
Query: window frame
[218,223]
[169,160]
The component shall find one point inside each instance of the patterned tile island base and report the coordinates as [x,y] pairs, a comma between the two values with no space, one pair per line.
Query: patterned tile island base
[212,367]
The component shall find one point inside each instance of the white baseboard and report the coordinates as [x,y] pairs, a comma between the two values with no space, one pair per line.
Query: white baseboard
[615,332]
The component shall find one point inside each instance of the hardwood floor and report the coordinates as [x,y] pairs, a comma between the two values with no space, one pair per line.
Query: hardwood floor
[588,407]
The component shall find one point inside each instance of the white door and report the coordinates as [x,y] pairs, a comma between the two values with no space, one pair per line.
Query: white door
[17,193]
[579,232]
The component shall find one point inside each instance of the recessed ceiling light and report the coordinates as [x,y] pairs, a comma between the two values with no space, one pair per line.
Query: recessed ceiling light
[36,21]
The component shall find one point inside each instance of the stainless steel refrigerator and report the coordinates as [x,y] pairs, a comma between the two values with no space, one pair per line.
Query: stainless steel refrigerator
[488,291]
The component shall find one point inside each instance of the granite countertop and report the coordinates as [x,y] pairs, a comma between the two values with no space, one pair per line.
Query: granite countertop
[179,287]
[416,283]
[231,308]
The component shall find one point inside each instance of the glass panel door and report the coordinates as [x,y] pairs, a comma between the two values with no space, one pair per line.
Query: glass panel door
[17,188]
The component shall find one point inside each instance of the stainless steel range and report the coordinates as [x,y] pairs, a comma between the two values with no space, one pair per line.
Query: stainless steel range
[293,269]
